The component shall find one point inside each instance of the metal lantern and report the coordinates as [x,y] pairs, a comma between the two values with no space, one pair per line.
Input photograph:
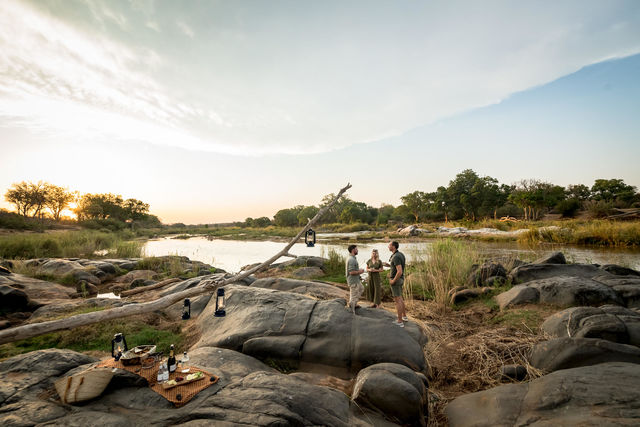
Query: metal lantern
[310,238]
[118,346]
[186,309]
[220,311]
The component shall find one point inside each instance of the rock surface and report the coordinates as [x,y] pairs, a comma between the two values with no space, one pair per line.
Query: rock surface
[606,394]
[315,289]
[248,393]
[609,322]
[313,334]
[396,390]
[565,353]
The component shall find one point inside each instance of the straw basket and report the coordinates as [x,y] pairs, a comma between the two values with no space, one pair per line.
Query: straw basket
[84,385]
[133,357]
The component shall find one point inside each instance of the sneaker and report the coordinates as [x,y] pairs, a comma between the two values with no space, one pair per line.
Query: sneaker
[405,318]
[395,322]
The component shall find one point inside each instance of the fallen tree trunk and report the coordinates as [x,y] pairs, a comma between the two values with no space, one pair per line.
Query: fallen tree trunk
[205,286]
[150,287]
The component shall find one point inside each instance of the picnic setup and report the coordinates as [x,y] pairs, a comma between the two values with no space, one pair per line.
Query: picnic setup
[172,378]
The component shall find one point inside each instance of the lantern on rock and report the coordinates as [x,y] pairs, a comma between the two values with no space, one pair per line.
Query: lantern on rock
[220,311]
[118,346]
[310,238]
[186,309]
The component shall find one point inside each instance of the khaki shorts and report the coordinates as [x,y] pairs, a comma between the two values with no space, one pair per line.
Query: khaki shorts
[396,289]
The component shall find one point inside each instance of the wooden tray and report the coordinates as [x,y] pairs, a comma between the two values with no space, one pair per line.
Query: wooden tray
[165,386]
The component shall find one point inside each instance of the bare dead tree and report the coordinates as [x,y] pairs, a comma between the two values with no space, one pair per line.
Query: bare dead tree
[205,286]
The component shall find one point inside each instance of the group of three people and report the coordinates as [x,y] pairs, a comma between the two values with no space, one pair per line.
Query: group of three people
[374,289]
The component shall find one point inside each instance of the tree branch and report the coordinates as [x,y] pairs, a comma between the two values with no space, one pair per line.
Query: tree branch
[205,286]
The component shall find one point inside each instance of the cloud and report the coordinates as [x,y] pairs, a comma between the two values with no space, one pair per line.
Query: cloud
[262,79]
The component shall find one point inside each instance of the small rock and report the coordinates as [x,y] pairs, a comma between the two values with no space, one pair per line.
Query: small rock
[513,372]
[554,258]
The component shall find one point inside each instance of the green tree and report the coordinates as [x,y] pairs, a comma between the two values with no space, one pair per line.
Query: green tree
[613,190]
[579,192]
[415,203]
[286,217]
[18,195]
[306,214]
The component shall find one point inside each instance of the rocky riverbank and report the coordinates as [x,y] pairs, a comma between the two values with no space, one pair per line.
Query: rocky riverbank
[289,353]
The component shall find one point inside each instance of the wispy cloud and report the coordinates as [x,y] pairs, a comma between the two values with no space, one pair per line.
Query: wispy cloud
[303,80]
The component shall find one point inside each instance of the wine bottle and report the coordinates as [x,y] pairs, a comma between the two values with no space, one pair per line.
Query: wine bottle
[172,360]
[161,373]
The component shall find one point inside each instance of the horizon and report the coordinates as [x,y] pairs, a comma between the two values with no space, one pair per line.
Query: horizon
[219,112]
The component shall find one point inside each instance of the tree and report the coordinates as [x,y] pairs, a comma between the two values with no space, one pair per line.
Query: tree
[306,213]
[134,209]
[579,192]
[613,190]
[286,217]
[58,199]
[18,195]
[415,203]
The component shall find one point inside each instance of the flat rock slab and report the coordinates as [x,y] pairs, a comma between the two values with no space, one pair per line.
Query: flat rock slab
[605,394]
[315,289]
[561,291]
[39,291]
[310,334]
[565,353]
[609,322]
[249,393]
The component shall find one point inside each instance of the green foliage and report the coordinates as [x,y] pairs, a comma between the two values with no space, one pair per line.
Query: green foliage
[60,245]
[447,264]
[522,319]
[595,232]
[568,208]
[613,191]
[98,337]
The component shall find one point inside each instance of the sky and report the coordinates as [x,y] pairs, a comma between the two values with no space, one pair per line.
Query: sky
[214,111]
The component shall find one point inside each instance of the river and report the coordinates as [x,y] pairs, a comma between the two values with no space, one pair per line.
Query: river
[232,255]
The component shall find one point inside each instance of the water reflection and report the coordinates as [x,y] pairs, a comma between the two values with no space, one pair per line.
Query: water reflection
[232,255]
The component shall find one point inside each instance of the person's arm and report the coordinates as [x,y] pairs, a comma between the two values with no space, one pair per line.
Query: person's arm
[398,274]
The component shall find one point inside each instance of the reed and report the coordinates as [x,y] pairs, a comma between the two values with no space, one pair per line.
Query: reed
[445,265]
[65,244]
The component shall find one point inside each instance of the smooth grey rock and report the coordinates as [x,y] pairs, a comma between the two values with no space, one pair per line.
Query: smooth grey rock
[565,353]
[330,336]
[609,322]
[619,270]
[554,258]
[315,289]
[513,372]
[307,273]
[83,287]
[560,291]
[467,294]
[606,394]
[12,299]
[395,390]
[38,291]
[521,294]
[480,274]
[528,272]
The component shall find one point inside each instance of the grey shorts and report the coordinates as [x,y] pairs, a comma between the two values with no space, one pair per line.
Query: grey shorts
[396,289]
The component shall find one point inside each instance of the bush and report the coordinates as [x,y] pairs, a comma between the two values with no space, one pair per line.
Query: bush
[568,208]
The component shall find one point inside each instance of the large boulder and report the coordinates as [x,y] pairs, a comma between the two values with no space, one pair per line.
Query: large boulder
[395,390]
[529,272]
[307,273]
[310,334]
[480,274]
[318,290]
[248,393]
[38,291]
[561,291]
[606,394]
[554,258]
[565,353]
[609,322]
[619,270]
[12,299]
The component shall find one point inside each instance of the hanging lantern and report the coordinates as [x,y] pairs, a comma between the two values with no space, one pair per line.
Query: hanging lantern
[118,346]
[220,311]
[310,238]
[186,309]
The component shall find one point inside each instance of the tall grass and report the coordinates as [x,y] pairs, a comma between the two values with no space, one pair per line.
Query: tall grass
[65,244]
[446,264]
[594,232]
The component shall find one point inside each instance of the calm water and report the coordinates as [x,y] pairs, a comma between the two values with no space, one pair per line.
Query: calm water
[232,255]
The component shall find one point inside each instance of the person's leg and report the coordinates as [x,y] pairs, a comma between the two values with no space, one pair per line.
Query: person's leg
[402,306]
[369,290]
[397,301]
[377,297]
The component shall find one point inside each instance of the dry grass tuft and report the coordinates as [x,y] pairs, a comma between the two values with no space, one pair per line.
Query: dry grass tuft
[466,352]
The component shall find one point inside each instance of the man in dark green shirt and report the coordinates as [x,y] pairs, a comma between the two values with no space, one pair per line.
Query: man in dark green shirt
[396,280]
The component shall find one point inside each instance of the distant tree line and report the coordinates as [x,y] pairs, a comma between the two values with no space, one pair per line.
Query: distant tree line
[44,200]
[471,197]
